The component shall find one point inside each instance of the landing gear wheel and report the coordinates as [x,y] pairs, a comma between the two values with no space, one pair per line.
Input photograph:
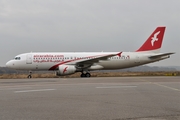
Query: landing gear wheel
[29,76]
[88,75]
[83,75]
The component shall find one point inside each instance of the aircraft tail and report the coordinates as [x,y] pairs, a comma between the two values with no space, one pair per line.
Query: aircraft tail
[154,42]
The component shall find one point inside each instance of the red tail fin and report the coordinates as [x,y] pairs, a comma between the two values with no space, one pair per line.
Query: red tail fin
[154,42]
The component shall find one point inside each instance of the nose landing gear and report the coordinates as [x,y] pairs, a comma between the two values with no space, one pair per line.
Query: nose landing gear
[29,76]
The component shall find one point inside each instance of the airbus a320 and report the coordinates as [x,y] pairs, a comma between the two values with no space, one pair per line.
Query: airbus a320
[66,63]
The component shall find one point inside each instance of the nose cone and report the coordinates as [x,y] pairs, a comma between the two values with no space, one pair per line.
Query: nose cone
[9,64]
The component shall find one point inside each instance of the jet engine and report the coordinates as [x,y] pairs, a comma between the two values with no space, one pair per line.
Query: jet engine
[66,70]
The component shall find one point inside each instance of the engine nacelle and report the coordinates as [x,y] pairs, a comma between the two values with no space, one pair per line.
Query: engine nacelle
[66,70]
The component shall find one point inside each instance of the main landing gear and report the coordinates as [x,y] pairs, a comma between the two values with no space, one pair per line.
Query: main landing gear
[29,76]
[85,74]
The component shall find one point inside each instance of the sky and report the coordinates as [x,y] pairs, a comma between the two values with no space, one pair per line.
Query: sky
[87,26]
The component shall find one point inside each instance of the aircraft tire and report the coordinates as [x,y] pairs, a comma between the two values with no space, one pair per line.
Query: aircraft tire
[83,75]
[29,76]
[88,75]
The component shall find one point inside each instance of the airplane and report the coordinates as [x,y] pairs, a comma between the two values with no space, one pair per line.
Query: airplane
[67,63]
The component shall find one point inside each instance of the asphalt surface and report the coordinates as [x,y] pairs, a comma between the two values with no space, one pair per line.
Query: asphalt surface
[109,98]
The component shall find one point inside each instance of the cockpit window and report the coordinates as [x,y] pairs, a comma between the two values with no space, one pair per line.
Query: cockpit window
[17,58]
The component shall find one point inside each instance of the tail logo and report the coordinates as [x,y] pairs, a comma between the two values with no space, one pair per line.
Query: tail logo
[154,38]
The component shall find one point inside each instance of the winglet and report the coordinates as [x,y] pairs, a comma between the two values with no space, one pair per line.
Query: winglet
[119,54]
[154,42]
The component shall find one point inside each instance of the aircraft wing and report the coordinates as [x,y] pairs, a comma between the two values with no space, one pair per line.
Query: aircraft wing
[94,59]
[160,55]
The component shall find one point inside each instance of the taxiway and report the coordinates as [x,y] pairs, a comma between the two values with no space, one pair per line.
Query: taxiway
[106,98]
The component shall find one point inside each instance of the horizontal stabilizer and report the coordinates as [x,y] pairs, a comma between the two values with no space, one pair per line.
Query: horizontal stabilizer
[160,55]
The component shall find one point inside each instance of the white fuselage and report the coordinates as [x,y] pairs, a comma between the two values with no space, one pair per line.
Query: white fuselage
[51,61]
[71,62]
